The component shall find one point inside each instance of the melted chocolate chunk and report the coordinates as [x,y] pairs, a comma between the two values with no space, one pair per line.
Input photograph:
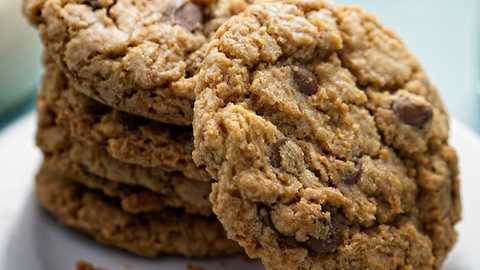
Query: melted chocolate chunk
[412,114]
[355,176]
[94,4]
[189,15]
[275,158]
[305,80]
[285,242]
[264,214]
[326,245]
[313,244]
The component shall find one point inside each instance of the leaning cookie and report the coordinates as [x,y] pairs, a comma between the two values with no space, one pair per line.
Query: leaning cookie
[141,57]
[128,138]
[73,155]
[328,142]
[176,192]
[95,168]
[146,234]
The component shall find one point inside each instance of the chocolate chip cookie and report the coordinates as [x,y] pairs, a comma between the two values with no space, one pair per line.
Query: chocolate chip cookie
[146,234]
[95,168]
[128,138]
[176,191]
[141,57]
[327,141]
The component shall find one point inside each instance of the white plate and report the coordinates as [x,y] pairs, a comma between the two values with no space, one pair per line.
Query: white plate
[31,239]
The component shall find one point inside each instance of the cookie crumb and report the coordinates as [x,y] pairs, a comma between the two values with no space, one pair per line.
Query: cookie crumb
[194,267]
[84,265]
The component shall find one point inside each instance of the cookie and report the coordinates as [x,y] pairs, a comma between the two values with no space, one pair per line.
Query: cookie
[140,57]
[54,140]
[146,234]
[95,168]
[176,192]
[327,142]
[128,138]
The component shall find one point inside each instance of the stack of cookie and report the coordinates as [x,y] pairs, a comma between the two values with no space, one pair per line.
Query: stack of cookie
[115,114]
[327,143]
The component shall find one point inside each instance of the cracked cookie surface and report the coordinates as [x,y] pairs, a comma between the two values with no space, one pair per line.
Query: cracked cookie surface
[327,141]
[141,57]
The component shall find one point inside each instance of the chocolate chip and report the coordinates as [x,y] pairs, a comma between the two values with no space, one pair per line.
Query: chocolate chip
[94,4]
[412,114]
[188,15]
[264,214]
[313,244]
[275,158]
[323,245]
[355,176]
[305,81]
[285,242]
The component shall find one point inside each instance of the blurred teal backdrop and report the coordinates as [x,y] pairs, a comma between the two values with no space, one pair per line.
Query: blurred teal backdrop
[20,66]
